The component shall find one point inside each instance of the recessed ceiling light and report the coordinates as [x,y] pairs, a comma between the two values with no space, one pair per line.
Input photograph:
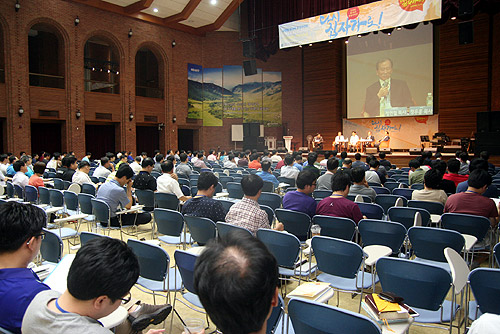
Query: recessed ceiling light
[213,2]
[155,10]
[453,17]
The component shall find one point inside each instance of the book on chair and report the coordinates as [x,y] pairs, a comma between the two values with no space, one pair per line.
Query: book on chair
[383,311]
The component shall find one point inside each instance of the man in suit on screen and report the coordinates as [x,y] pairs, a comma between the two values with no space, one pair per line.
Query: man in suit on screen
[386,92]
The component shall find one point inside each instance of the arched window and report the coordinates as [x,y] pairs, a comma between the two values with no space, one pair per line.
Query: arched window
[46,56]
[148,79]
[102,66]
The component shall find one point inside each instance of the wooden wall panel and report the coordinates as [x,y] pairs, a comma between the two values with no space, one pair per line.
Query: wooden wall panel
[43,98]
[102,103]
[463,78]
[322,98]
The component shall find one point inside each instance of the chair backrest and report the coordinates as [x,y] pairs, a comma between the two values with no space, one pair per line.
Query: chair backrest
[44,195]
[406,216]
[275,316]
[58,184]
[270,199]
[102,179]
[421,285]
[185,262]
[224,179]
[31,194]
[466,224]
[337,257]
[94,179]
[101,211]
[75,187]
[224,228]
[218,188]
[56,197]
[382,232]
[486,290]
[194,190]
[335,227]
[371,210]
[153,260]
[87,236]
[362,199]
[145,197]
[268,186]
[10,189]
[18,191]
[496,253]
[269,211]
[297,223]
[5,331]
[388,201]
[71,200]
[164,200]
[169,222]
[313,317]
[202,229]
[405,192]
[85,203]
[381,190]
[88,189]
[283,179]
[458,267]
[284,246]
[391,185]
[434,208]
[183,181]
[429,243]
[66,184]
[226,204]
[417,186]
[52,247]
[321,193]
[234,190]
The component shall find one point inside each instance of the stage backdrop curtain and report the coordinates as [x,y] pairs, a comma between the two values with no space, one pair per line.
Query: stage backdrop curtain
[264,16]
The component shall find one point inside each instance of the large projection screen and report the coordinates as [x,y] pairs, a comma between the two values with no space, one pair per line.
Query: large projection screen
[403,89]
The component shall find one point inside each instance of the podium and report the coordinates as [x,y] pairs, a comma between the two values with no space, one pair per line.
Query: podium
[288,143]
[270,142]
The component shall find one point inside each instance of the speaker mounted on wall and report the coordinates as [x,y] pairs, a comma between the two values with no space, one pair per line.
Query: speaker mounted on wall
[465,32]
[465,9]
[250,67]
[249,49]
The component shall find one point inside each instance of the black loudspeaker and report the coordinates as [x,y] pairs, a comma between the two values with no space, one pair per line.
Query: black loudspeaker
[249,49]
[495,121]
[465,8]
[483,121]
[465,32]
[487,141]
[250,67]
[251,129]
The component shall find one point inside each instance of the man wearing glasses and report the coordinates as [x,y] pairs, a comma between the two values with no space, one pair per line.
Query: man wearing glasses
[301,200]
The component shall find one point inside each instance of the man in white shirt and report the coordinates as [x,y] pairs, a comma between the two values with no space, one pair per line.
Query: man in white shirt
[339,141]
[288,170]
[103,170]
[136,165]
[55,162]
[20,177]
[167,184]
[230,163]
[353,141]
[81,176]
[4,162]
[276,157]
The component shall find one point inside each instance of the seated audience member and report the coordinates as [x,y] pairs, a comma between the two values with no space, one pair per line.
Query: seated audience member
[36,179]
[464,163]
[325,181]
[247,212]
[10,168]
[158,161]
[68,168]
[416,173]
[266,175]
[230,163]
[288,170]
[4,163]
[123,160]
[358,163]
[200,163]
[144,180]
[242,160]
[373,174]
[431,191]
[81,176]
[183,169]
[298,162]
[27,160]
[446,185]
[55,162]
[311,159]
[338,205]
[487,323]
[211,156]
[276,158]
[360,186]
[266,157]
[485,155]
[87,157]
[301,199]
[20,177]
[104,169]
[203,205]
[236,279]
[343,156]
[116,196]
[167,184]
[452,175]
[136,164]
[323,162]
[254,161]
[491,191]
[383,162]
[99,279]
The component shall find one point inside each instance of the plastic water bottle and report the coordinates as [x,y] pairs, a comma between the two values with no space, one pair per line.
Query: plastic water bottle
[429,100]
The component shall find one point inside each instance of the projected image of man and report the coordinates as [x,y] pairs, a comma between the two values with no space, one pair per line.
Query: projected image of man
[386,92]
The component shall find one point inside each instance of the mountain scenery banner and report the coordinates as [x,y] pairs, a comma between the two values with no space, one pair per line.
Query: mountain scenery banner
[215,94]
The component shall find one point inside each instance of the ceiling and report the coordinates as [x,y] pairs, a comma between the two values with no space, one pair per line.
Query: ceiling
[193,16]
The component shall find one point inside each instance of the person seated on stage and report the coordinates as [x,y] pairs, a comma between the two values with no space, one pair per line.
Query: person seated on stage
[383,162]
[298,162]
[452,175]
[243,161]
[247,212]
[337,205]
[491,191]
[81,176]
[373,174]
[371,138]
[289,171]
[323,162]
[431,191]
[276,158]
[384,141]
[325,180]
[360,185]
[339,141]
[416,172]
[301,199]
[354,141]
[311,159]
[230,162]
[254,161]
[236,279]
[168,184]
[20,177]
[358,163]
[115,195]
[318,142]
[99,280]
[203,205]
[266,174]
